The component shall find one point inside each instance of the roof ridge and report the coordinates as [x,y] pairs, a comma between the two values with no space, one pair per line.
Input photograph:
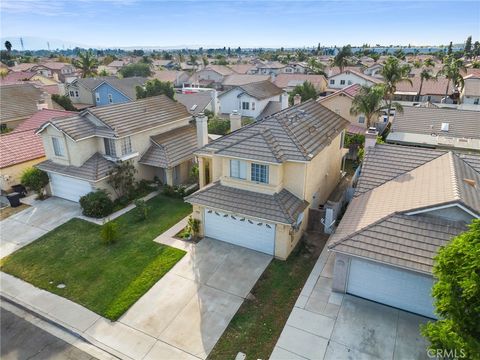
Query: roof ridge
[272,143]
[281,206]
[454,177]
[297,143]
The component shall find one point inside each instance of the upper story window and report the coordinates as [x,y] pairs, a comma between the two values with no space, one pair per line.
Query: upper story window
[110,98]
[72,94]
[110,147]
[97,96]
[253,105]
[57,147]
[245,105]
[76,93]
[342,82]
[126,146]
[238,169]
[259,173]
[332,82]
[361,119]
[350,82]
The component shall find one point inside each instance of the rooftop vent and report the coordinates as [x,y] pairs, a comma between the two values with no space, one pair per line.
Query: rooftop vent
[470,182]
[445,126]
[193,107]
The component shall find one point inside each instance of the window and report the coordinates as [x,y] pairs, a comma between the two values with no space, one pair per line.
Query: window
[238,169]
[72,94]
[57,147]
[361,119]
[253,105]
[110,98]
[260,173]
[342,82]
[342,139]
[332,82]
[76,93]
[97,96]
[245,105]
[110,147]
[349,82]
[126,146]
[476,101]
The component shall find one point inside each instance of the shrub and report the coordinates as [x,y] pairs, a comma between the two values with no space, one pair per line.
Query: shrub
[142,188]
[96,204]
[141,209]
[193,227]
[122,179]
[109,232]
[218,126]
[64,101]
[36,180]
[194,172]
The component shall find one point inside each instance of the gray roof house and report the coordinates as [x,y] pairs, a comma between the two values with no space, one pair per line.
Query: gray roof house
[257,183]
[156,134]
[197,103]
[409,202]
[436,128]
[251,100]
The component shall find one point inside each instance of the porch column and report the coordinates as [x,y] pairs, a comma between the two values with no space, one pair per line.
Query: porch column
[169,173]
[201,172]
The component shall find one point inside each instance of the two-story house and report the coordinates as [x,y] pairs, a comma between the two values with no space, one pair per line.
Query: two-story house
[409,202]
[156,134]
[350,77]
[471,89]
[103,90]
[63,72]
[257,183]
[251,100]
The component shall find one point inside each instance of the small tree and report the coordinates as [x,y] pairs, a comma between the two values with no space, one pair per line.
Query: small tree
[138,69]
[218,126]
[155,87]
[109,232]
[457,296]
[122,178]
[64,101]
[306,91]
[141,208]
[193,227]
[36,180]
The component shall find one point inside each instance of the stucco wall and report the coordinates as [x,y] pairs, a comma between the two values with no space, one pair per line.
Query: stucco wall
[231,101]
[451,213]
[340,272]
[341,105]
[11,175]
[85,96]
[349,78]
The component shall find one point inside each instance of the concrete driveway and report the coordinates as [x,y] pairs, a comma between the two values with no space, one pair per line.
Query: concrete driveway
[28,225]
[328,325]
[190,307]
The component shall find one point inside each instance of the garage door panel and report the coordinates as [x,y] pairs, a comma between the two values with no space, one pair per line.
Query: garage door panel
[68,188]
[241,231]
[399,288]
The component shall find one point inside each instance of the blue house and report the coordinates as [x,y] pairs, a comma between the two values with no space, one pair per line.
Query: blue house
[103,91]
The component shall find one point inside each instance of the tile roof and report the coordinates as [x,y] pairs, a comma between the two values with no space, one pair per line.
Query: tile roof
[94,169]
[297,133]
[241,68]
[282,207]
[291,80]
[350,91]
[118,120]
[221,69]
[358,73]
[243,79]
[18,147]
[171,148]
[14,77]
[23,67]
[168,75]
[19,101]
[40,118]
[271,108]
[472,85]
[427,120]
[395,181]
[430,87]
[194,102]
[127,86]
[54,65]
[259,90]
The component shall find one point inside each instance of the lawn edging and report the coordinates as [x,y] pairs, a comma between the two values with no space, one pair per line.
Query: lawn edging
[116,214]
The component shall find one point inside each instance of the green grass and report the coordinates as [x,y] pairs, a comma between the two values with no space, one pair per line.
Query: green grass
[256,327]
[107,279]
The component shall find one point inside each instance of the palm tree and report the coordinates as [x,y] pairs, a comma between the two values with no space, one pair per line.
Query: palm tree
[316,67]
[342,58]
[87,63]
[429,62]
[427,75]
[369,102]
[393,73]
[452,70]
[8,46]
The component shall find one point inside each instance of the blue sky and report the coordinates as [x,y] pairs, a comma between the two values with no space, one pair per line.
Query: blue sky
[116,23]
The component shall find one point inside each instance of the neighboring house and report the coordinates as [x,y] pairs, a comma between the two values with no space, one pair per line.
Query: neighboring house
[257,183]
[295,68]
[374,70]
[19,102]
[156,134]
[197,103]
[62,72]
[471,90]
[288,81]
[251,100]
[436,128]
[233,80]
[432,90]
[241,68]
[408,203]
[166,64]
[212,74]
[17,77]
[350,77]
[116,65]
[177,78]
[103,91]
[22,148]
[267,68]
[340,102]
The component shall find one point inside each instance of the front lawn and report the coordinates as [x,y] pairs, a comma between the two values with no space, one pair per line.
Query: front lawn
[256,327]
[107,279]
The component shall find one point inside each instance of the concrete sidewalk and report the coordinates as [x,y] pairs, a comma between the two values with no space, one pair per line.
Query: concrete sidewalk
[181,317]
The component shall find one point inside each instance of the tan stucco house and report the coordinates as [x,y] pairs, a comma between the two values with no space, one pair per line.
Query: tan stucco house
[257,183]
[157,134]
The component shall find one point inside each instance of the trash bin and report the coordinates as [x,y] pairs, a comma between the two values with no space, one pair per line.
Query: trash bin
[19,188]
[14,199]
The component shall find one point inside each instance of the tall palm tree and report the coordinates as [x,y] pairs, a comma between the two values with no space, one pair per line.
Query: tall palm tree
[87,63]
[452,69]
[425,74]
[342,58]
[394,72]
[8,46]
[316,67]
[429,62]
[369,102]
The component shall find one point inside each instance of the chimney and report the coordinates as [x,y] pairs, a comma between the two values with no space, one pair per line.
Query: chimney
[370,137]
[235,121]
[297,99]
[42,104]
[202,130]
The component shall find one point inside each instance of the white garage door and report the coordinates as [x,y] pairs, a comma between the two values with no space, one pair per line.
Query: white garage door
[402,289]
[68,188]
[249,233]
